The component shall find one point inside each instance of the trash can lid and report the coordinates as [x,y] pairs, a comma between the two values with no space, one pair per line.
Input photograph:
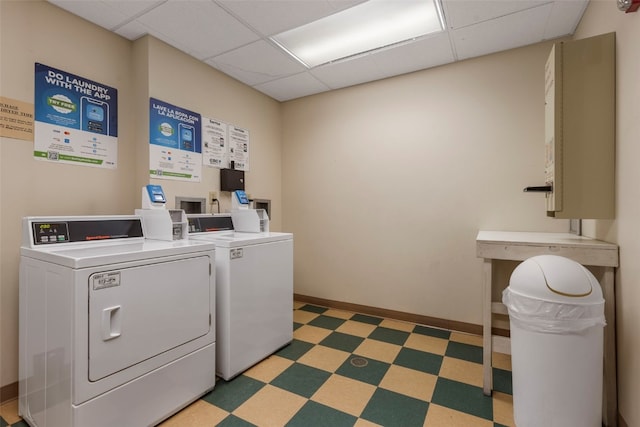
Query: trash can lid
[557,279]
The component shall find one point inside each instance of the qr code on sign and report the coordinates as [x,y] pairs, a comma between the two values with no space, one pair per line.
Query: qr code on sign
[52,155]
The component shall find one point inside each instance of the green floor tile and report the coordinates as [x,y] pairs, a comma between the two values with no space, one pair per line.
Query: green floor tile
[3,423]
[301,379]
[295,349]
[314,414]
[313,308]
[366,319]
[470,353]
[372,373]
[296,325]
[228,395]
[419,360]
[432,332]
[463,397]
[502,381]
[391,409]
[233,421]
[340,341]
[327,322]
[392,336]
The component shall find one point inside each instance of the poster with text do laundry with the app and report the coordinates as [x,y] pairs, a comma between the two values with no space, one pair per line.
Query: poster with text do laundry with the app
[175,147]
[76,119]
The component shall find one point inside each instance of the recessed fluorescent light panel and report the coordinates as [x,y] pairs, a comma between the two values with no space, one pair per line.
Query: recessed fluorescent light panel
[368,26]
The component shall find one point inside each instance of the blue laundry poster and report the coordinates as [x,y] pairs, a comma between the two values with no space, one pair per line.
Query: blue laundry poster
[175,142]
[76,119]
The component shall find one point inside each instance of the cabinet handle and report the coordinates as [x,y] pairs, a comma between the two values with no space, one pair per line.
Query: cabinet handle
[540,189]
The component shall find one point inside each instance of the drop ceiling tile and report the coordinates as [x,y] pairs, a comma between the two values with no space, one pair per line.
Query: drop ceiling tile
[256,63]
[201,28]
[107,14]
[515,30]
[132,30]
[297,86]
[425,53]
[565,17]
[461,13]
[270,17]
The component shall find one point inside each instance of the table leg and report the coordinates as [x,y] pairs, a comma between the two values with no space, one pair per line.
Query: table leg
[486,329]
[610,413]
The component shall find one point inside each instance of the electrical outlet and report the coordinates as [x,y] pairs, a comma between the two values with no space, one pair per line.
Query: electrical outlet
[213,195]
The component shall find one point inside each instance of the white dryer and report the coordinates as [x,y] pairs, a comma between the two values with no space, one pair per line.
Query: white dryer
[254,286]
[115,329]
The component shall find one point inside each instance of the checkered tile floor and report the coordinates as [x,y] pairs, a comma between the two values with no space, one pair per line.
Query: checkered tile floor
[348,369]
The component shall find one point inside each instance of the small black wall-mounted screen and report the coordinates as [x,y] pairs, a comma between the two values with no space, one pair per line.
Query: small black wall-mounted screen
[231,180]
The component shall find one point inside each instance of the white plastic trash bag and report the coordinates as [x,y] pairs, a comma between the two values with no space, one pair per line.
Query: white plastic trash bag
[542,316]
[553,294]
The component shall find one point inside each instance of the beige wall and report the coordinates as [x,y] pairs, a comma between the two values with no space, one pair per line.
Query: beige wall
[602,16]
[214,95]
[387,184]
[36,31]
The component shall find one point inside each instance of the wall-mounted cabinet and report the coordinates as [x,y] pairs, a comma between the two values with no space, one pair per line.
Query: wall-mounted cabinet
[580,128]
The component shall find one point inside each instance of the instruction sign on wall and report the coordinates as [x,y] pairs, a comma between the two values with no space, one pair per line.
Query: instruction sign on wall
[215,143]
[175,148]
[16,119]
[76,119]
[223,144]
[239,147]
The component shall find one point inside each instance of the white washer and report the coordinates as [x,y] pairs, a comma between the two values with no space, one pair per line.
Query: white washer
[115,329]
[254,285]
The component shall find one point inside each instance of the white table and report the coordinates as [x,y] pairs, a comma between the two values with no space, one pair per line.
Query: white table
[519,246]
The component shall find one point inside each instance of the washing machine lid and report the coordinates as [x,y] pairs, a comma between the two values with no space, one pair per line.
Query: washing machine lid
[232,239]
[219,229]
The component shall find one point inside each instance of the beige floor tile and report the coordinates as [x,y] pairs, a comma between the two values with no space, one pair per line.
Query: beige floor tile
[311,334]
[9,411]
[378,350]
[503,409]
[462,371]
[269,368]
[358,329]
[298,304]
[344,394]
[466,338]
[304,317]
[426,343]
[340,314]
[325,358]
[198,414]
[409,382]
[439,416]
[364,423]
[397,325]
[270,407]
[501,361]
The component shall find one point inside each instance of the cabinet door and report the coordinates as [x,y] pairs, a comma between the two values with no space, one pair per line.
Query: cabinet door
[580,128]
[137,313]
[552,119]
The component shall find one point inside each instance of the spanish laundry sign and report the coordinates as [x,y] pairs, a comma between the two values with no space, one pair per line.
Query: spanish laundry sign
[175,142]
[76,119]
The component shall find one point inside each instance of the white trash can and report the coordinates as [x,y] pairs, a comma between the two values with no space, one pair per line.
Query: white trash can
[556,312]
